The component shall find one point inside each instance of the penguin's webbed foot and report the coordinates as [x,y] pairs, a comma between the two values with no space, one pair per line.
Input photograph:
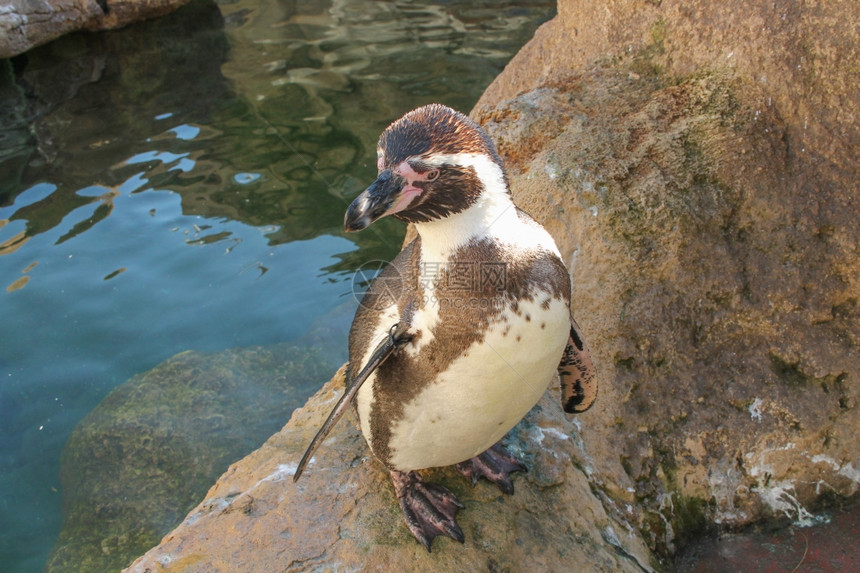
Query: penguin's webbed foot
[428,508]
[496,464]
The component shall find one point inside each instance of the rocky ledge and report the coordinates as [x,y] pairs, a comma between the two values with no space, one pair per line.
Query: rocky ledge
[342,515]
[25,24]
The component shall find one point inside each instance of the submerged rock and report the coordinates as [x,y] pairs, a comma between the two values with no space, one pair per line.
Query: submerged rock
[146,455]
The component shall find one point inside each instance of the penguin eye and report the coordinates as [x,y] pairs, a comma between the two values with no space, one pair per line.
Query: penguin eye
[432,175]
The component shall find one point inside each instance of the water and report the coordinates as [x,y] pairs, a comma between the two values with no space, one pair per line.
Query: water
[181,184]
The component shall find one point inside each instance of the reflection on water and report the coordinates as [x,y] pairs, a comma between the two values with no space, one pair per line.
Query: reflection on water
[181,184]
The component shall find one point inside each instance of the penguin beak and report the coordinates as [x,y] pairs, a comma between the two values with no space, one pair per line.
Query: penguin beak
[380,199]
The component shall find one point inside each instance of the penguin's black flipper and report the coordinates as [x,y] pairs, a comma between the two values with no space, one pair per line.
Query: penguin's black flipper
[578,385]
[396,338]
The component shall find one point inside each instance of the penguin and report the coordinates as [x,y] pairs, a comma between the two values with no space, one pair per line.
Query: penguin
[461,334]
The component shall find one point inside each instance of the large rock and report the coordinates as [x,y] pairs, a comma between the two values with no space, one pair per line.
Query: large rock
[25,24]
[801,55]
[343,515]
[702,180]
[719,293]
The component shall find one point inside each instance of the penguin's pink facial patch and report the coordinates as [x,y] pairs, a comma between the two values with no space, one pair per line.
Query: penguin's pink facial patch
[410,191]
[405,170]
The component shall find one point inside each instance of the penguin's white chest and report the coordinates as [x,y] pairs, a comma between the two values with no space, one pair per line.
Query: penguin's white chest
[485,391]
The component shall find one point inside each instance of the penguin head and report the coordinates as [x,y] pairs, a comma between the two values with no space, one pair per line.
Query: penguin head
[433,162]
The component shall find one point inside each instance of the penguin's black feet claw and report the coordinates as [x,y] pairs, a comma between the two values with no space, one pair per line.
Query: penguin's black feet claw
[429,508]
[496,464]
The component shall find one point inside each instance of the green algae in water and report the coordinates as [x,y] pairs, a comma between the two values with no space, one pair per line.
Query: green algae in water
[149,452]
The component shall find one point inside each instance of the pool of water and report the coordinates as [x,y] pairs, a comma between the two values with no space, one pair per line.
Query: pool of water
[180,184]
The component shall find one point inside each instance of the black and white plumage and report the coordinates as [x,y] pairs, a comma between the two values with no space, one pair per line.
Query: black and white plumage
[459,337]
